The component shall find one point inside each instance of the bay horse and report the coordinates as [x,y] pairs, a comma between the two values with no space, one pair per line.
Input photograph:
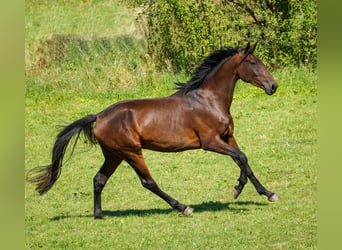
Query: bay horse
[196,116]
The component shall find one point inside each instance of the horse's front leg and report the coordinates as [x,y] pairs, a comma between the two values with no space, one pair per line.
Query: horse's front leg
[216,144]
[243,175]
[232,142]
[246,171]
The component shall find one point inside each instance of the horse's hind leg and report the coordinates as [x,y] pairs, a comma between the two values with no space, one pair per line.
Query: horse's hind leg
[100,179]
[137,162]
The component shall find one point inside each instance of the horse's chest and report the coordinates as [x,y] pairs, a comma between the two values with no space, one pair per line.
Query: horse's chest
[223,125]
[226,129]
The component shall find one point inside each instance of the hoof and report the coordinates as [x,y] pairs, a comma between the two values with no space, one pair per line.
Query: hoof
[188,210]
[236,193]
[98,216]
[274,197]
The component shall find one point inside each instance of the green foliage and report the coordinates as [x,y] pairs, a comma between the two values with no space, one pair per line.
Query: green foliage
[180,33]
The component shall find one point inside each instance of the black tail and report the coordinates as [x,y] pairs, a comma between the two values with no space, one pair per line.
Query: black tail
[46,176]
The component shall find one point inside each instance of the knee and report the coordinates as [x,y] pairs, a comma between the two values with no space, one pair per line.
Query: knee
[242,158]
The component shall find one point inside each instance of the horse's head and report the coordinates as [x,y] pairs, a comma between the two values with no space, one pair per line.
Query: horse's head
[252,70]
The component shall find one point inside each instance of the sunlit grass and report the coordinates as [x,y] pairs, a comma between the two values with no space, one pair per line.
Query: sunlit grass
[278,135]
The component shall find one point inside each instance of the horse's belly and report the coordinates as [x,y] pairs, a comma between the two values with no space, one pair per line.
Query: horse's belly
[170,142]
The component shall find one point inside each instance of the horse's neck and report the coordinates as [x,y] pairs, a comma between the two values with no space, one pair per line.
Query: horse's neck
[222,84]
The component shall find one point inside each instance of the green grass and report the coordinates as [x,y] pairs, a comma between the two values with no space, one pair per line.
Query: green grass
[277,133]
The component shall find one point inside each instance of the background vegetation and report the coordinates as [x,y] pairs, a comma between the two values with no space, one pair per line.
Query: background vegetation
[82,56]
[180,33]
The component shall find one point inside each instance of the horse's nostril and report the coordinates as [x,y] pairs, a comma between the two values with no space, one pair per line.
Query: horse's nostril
[274,86]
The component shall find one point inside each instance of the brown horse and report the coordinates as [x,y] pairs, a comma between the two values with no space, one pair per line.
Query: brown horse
[196,116]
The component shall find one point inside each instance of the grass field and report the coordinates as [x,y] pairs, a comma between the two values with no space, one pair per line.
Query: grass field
[277,133]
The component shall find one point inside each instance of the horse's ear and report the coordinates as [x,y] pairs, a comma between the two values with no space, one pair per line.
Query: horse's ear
[252,48]
[247,48]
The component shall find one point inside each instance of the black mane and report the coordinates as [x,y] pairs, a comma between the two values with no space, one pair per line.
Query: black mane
[206,67]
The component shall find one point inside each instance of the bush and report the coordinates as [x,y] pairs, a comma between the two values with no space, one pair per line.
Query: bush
[180,33]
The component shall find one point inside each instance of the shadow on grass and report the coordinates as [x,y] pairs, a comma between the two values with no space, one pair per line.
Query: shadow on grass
[234,207]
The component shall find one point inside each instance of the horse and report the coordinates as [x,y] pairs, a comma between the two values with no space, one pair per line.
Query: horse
[196,116]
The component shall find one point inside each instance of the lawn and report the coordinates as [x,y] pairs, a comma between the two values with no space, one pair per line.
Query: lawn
[277,133]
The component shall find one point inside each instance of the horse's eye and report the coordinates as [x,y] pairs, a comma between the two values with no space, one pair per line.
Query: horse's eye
[253,62]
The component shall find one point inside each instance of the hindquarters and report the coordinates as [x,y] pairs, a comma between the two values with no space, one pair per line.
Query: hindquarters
[115,130]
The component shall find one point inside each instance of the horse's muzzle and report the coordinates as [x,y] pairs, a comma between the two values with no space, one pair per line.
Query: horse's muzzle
[272,89]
